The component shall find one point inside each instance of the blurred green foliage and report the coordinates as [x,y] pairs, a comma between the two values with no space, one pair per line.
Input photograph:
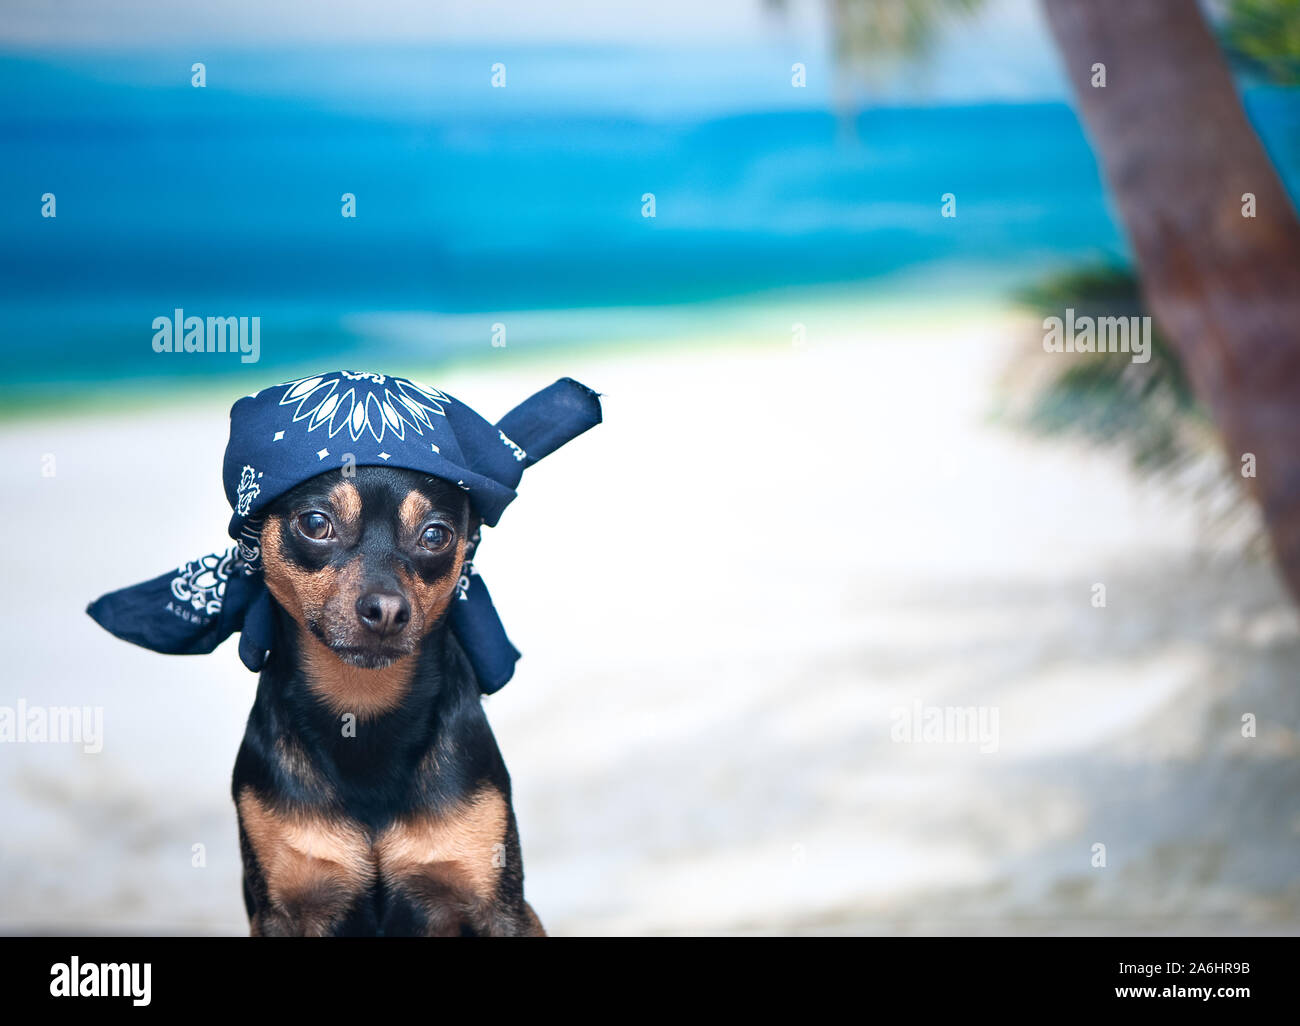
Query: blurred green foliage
[872,29]
[1146,408]
[868,34]
[1264,36]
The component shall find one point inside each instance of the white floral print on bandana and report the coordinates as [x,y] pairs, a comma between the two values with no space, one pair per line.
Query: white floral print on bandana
[247,491]
[375,404]
[201,583]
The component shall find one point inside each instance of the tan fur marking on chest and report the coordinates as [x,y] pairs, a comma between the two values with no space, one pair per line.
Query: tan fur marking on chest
[314,866]
[463,847]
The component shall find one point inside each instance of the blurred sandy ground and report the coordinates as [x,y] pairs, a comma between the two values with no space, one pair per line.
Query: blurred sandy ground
[721,595]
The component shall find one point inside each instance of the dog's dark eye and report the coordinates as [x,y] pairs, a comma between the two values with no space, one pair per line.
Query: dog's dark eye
[315,525]
[435,538]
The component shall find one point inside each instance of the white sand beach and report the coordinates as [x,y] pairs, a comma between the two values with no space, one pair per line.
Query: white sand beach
[722,596]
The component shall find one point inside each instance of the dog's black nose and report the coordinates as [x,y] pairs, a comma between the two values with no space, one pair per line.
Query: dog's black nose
[383,612]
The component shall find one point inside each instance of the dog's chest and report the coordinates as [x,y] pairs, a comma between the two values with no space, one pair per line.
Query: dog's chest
[317,861]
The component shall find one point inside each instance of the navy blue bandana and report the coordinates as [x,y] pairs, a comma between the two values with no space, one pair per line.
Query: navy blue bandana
[286,434]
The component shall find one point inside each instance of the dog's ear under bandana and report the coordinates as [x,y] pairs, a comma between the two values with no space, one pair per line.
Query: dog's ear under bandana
[289,433]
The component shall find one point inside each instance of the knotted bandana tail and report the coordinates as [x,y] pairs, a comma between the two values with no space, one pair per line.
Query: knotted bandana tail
[189,611]
[479,629]
[545,421]
[275,445]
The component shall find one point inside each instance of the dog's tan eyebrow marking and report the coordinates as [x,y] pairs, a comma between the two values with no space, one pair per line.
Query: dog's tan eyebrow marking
[414,508]
[346,501]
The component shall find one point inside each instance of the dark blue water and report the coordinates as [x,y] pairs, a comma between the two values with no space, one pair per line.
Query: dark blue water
[227,202]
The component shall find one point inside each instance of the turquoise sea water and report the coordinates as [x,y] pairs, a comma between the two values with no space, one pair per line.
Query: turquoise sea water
[474,204]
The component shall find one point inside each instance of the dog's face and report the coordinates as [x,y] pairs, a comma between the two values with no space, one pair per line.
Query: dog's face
[367,564]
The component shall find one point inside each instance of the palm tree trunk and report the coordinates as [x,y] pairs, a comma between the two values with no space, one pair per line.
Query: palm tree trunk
[1178,153]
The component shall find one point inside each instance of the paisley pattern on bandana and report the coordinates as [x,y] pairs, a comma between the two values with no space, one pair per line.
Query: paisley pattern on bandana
[202,582]
[250,545]
[371,402]
[248,490]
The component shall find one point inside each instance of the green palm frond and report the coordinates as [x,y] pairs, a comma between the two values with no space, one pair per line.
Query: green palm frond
[1264,35]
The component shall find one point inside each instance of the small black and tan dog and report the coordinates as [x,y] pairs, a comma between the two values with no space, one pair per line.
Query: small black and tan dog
[371,794]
